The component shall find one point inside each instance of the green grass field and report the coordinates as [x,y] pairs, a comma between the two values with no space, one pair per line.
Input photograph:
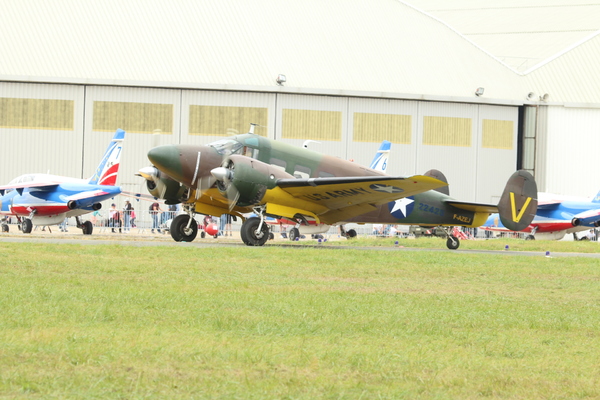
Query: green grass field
[123,322]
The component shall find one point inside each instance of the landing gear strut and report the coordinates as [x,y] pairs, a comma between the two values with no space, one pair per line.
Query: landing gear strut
[184,227]
[255,231]
[452,241]
[348,234]
[86,227]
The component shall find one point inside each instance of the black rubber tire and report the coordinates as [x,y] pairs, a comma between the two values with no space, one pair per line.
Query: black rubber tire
[529,237]
[452,243]
[351,234]
[26,225]
[87,228]
[248,232]
[294,234]
[4,227]
[178,230]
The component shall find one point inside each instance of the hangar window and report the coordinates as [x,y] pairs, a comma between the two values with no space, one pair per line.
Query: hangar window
[149,118]
[37,114]
[219,120]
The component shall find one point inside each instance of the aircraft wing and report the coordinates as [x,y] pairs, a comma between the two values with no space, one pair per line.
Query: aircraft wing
[473,207]
[352,195]
[87,194]
[36,185]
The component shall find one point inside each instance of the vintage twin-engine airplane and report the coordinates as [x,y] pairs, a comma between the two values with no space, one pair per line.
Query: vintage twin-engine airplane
[252,174]
[43,199]
[556,216]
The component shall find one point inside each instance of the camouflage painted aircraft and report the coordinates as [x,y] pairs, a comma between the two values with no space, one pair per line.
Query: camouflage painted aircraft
[252,174]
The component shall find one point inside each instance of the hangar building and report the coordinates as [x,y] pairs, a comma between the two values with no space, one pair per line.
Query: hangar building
[356,73]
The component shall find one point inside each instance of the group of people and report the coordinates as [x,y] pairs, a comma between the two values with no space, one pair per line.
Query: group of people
[121,219]
[125,219]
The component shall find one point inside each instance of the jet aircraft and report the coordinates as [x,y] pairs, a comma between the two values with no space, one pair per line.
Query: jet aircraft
[43,199]
[556,216]
[252,174]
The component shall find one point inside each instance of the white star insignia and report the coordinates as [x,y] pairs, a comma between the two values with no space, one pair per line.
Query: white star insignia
[401,205]
[386,188]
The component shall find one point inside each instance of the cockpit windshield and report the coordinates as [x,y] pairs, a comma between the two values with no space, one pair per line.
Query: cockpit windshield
[227,146]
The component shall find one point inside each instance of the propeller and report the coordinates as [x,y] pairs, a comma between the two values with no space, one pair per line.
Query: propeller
[224,179]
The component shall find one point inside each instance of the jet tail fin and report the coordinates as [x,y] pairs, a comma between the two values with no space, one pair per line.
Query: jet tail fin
[596,198]
[518,203]
[379,163]
[106,172]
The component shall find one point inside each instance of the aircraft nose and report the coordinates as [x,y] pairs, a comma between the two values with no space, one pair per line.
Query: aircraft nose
[166,159]
[187,164]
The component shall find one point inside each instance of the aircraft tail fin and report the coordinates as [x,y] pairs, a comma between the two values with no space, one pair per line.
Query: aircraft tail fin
[106,172]
[596,198]
[434,173]
[518,203]
[380,161]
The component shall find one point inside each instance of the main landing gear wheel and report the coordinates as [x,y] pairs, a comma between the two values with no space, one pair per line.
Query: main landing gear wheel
[4,228]
[87,228]
[351,234]
[26,225]
[250,235]
[180,231]
[529,237]
[452,243]
[294,234]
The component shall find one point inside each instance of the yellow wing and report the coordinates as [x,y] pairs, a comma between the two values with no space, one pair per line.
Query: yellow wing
[335,199]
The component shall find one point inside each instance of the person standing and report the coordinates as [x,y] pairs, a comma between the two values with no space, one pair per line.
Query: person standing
[127,216]
[114,218]
[155,211]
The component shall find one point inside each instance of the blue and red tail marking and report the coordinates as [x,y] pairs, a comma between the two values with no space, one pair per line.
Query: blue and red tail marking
[106,173]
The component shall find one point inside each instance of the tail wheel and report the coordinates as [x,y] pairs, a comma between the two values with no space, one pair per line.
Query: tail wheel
[26,225]
[250,235]
[179,230]
[452,243]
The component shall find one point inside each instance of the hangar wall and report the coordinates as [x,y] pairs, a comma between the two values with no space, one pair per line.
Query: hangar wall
[475,146]
[566,151]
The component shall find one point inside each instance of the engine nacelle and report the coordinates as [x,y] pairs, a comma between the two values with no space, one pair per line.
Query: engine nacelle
[250,178]
[75,204]
[162,186]
[586,221]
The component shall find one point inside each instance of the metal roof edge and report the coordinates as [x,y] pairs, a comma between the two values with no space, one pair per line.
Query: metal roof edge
[262,89]
[461,35]
[561,53]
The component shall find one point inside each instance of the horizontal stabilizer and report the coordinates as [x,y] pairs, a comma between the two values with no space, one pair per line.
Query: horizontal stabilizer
[473,207]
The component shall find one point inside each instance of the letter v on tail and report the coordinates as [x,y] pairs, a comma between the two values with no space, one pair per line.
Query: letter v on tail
[106,172]
[518,203]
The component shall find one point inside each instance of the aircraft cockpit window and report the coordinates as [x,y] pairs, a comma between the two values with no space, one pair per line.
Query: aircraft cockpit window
[250,152]
[22,179]
[323,174]
[277,163]
[301,172]
[227,146]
